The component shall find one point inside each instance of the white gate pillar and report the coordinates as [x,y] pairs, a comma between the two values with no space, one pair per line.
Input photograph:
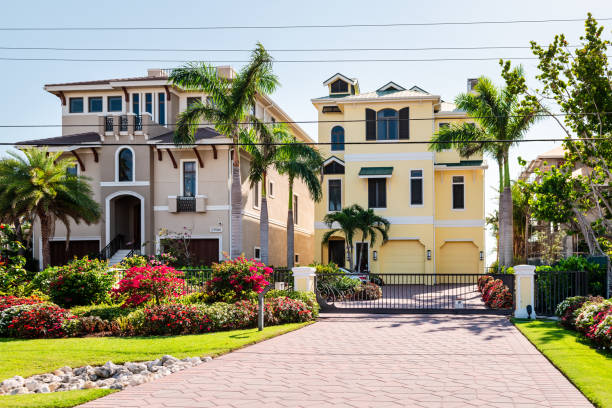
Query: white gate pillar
[304,278]
[524,290]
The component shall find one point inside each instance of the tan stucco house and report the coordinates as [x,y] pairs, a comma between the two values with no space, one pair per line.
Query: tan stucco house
[120,132]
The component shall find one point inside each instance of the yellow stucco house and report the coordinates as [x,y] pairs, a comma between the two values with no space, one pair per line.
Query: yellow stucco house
[434,201]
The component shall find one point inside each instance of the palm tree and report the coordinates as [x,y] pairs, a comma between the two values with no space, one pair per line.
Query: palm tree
[370,226]
[499,118]
[298,161]
[231,101]
[347,221]
[39,185]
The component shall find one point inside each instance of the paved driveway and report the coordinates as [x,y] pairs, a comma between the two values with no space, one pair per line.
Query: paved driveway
[371,361]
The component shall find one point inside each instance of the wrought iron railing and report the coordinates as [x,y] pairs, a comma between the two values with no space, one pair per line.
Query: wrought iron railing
[113,246]
[552,287]
[108,123]
[137,123]
[185,204]
[123,123]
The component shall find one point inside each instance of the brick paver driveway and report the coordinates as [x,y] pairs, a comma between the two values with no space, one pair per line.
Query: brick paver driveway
[371,361]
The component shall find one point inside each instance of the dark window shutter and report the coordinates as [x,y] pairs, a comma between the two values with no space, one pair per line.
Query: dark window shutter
[371,193]
[382,185]
[404,123]
[370,124]
[416,191]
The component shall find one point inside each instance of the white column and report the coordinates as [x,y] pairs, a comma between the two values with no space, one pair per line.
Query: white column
[524,290]
[304,278]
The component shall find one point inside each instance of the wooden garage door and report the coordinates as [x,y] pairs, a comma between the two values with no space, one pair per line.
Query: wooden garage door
[402,257]
[204,251]
[458,257]
[59,255]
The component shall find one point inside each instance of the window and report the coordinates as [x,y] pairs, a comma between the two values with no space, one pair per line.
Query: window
[256,196]
[337,138]
[149,103]
[387,124]
[334,194]
[377,193]
[126,165]
[72,170]
[416,187]
[95,104]
[297,258]
[161,108]
[273,119]
[458,193]
[193,99]
[189,179]
[271,189]
[333,167]
[257,253]
[114,104]
[76,105]
[442,126]
[339,86]
[295,209]
[136,104]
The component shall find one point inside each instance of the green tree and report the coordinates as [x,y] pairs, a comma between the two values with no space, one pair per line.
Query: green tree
[370,226]
[345,222]
[298,161]
[38,185]
[501,121]
[228,107]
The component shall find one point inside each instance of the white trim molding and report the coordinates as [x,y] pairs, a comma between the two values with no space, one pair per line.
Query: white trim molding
[380,157]
[119,149]
[415,220]
[107,220]
[124,184]
[460,223]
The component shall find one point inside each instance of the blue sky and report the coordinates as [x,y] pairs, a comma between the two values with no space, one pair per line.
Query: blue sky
[25,102]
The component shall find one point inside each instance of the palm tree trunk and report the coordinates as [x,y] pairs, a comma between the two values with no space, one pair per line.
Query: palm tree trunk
[236,214]
[507,247]
[45,232]
[363,238]
[349,251]
[500,214]
[264,224]
[290,233]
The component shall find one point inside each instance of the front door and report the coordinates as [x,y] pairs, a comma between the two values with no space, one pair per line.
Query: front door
[361,257]
[336,252]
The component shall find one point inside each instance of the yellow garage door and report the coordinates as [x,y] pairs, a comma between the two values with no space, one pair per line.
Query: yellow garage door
[458,257]
[402,257]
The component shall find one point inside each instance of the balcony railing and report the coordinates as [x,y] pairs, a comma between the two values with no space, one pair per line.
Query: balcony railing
[108,124]
[123,123]
[137,123]
[185,204]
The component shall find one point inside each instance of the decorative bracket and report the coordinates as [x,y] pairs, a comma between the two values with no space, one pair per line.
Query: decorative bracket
[172,158]
[195,150]
[74,153]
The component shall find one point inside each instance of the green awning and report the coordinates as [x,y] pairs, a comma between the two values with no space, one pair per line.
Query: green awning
[367,172]
[462,163]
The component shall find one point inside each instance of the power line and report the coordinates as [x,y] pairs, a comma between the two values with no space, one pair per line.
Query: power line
[545,115]
[301,26]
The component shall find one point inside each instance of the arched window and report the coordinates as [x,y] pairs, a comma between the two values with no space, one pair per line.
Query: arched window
[337,138]
[388,124]
[125,165]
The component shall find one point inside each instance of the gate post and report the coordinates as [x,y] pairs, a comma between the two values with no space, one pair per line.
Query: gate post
[304,278]
[525,290]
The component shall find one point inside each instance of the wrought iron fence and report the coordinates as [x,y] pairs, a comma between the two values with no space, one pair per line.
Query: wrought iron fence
[185,204]
[123,123]
[137,123]
[108,123]
[552,287]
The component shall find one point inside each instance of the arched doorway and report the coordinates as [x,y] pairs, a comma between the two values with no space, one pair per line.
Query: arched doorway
[125,217]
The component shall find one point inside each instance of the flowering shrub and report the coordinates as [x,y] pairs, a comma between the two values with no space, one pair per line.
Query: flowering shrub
[13,275]
[495,294]
[237,279]
[142,284]
[482,281]
[133,261]
[175,319]
[586,315]
[164,258]
[602,333]
[41,320]
[566,310]
[367,291]
[10,301]
[285,310]
[309,298]
[80,282]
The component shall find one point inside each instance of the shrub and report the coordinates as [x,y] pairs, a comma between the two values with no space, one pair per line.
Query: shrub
[285,310]
[133,261]
[10,301]
[40,320]
[309,298]
[602,333]
[150,283]
[496,295]
[108,312]
[80,282]
[13,275]
[585,316]
[593,332]
[194,298]
[237,279]
[87,325]
[174,319]
[566,310]
[482,281]
[367,291]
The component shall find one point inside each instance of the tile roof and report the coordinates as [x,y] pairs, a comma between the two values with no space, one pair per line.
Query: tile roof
[449,107]
[108,81]
[202,133]
[77,138]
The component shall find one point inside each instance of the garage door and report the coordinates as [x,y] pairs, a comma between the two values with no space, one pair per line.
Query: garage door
[59,255]
[458,257]
[204,251]
[402,257]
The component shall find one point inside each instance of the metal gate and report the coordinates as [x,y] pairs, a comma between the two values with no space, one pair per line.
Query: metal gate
[407,293]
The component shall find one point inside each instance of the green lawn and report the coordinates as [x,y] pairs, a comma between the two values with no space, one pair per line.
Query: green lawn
[29,357]
[589,369]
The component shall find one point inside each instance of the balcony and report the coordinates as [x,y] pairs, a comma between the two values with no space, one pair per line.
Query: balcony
[182,204]
[137,123]
[185,204]
[123,124]
[108,124]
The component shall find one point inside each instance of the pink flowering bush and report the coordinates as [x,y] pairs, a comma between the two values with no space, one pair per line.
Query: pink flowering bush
[150,283]
[10,301]
[495,294]
[237,279]
[174,319]
[591,316]
[284,310]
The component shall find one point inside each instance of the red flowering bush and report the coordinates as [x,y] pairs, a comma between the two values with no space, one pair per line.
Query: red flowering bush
[566,310]
[237,279]
[495,294]
[41,320]
[142,284]
[10,301]
[175,319]
[482,281]
[285,310]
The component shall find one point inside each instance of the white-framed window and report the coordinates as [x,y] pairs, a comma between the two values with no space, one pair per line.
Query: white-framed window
[73,170]
[295,209]
[125,164]
[75,105]
[189,178]
[256,196]
[270,189]
[416,188]
[458,186]
[257,253]
[334,195]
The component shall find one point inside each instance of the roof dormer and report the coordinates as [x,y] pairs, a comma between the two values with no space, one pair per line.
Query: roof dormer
[340,85]
[391,87]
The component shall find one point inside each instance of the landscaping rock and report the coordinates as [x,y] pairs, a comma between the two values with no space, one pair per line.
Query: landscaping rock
[44,388]
[136,368]
[206,359]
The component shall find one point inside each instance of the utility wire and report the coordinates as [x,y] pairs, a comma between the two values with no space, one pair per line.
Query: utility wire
[545,115]
[300,26]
